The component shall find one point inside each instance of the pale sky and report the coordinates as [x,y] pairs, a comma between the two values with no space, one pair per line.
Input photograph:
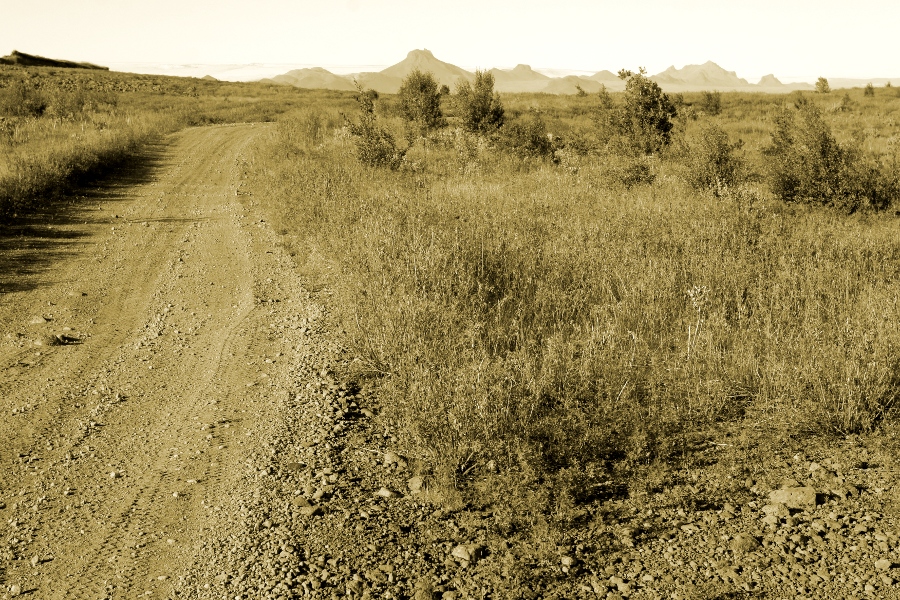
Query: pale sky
[794,39]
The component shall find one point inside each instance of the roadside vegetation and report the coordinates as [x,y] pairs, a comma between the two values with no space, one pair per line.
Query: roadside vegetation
[570,293]
[62,127]
[555,298]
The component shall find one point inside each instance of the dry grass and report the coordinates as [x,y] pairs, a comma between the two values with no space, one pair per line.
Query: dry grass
[59,128]
[541,327]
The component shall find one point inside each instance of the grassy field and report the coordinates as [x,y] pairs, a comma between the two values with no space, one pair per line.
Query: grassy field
[539,314]
[539,327]
[61,127]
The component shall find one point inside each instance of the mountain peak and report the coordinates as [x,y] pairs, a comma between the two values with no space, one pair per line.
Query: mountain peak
[423,53]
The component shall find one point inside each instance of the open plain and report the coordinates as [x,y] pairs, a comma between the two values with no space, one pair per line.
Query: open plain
[240,363]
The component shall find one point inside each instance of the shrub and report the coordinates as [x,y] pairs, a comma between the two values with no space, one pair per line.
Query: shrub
[646,117]
[527,137]
[822,86]
[711,160]
[375,145]
[419,101]
[712,103]
[806,163]
[478,104]
[628,170]
[21,99]
[869,90]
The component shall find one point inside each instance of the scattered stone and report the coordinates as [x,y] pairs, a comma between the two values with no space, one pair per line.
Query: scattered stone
[38,320]
[796,497]
[15,590]
[311,511]
[884,564]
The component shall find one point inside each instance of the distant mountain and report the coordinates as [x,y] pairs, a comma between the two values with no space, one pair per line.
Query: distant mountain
[424,60]
[31,60]
[606,77]
[314,78]
[208,78]
[520,79]
[707,76]
[381,83]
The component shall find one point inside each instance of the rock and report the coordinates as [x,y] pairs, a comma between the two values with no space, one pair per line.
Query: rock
[385,493]
[797,497]
[15,590]
[37,320]
[744,542]
[415,484]
[884,564]
[788,483]
[311,511]
[466,553]
[776,509]
[391,458]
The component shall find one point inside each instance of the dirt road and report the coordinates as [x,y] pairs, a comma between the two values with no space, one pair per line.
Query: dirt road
[144,341]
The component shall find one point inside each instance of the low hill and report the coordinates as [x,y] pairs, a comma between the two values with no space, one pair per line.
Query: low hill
[31,60]
[520,79]
[314,78]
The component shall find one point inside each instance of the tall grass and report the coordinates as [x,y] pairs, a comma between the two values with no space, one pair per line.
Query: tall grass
[59,128]
[538,327]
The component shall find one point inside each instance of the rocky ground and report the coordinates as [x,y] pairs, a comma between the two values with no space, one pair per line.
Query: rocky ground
[177,426]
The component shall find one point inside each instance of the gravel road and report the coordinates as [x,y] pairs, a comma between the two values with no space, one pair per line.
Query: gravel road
[172,426]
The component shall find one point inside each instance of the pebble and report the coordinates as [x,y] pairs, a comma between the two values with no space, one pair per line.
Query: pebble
[385,493]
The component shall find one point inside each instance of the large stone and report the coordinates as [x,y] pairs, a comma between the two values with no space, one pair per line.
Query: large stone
[744,542]
[797,497]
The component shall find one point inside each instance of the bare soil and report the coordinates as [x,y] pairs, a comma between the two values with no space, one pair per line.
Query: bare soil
[139,356]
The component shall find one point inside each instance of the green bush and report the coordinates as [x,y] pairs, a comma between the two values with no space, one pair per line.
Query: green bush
[21,99]
[712,103]
[806,163]
[419,101]
[527,137]
[711,162]
[375,145]
[646,116]
[822,86]
[478,105]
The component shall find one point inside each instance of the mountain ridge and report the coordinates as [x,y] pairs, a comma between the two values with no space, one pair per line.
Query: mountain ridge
[522,78]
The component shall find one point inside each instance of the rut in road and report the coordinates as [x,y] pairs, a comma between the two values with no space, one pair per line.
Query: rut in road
[121,443]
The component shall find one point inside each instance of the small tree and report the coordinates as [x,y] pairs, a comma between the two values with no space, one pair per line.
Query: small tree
[646,116]
[375,146]
[869,90]
[822,86]
[712,163]
[420,102]
[478,104]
